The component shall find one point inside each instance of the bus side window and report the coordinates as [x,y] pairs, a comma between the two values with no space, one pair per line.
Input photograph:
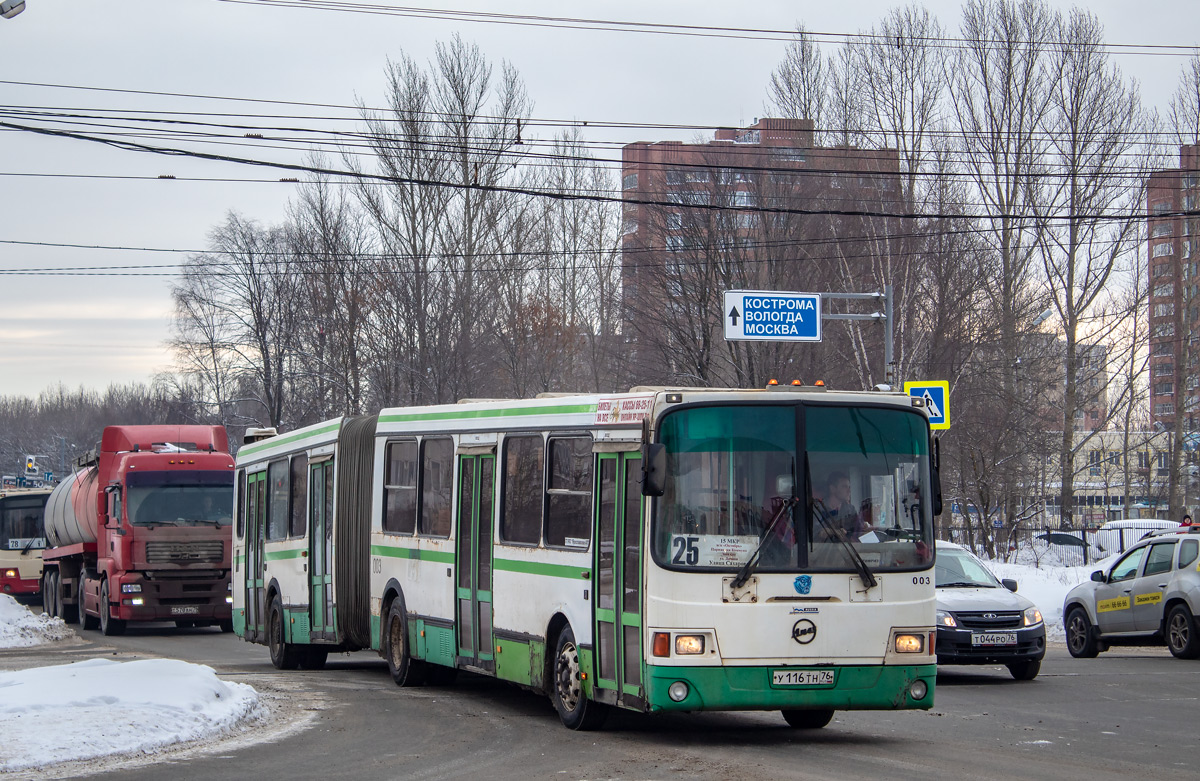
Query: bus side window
[569,494]
[241,503]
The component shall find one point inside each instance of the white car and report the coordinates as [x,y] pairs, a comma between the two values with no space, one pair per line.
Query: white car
[982,620]
[1150,595]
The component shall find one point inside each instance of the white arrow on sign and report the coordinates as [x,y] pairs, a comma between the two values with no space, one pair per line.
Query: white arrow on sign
[932,405]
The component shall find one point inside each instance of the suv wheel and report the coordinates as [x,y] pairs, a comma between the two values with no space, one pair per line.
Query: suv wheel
[1182,637]
[1081,641]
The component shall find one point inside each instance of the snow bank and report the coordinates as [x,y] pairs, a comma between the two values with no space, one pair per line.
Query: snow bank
[101,707]
[20,628]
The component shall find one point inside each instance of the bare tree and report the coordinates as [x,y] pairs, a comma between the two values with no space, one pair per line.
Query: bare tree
[1092,112]
[799,86]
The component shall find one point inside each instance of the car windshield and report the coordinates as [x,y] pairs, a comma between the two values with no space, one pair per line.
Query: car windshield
[959,569]
[21,522]
[738,482]
[180,498]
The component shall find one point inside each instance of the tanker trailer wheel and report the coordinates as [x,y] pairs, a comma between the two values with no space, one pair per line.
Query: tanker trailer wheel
[108,625]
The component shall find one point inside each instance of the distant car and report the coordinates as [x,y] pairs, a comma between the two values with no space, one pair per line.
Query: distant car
[981,620]
[1117,536]
[1150,595]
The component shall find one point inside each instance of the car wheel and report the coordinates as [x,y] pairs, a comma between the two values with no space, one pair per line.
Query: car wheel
[1182,637]
[575,710]
[284,655]
[109,626]
[1027,670]
[405,670]
[808,719]
[1081,641]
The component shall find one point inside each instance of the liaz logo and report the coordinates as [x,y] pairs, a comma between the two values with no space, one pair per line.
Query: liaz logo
[803,584]
[804,631]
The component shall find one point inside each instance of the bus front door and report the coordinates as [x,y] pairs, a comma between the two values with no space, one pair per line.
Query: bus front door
[320,551]
[256,507]
[618,574]
[476,498]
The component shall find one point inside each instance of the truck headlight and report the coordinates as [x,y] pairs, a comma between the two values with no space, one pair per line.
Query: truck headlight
[1033,616]
[945,618]
[131,588]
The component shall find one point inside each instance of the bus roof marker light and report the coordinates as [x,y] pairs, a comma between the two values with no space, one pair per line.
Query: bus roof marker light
[798,383]
[772,381]
[674,398]
[819,383]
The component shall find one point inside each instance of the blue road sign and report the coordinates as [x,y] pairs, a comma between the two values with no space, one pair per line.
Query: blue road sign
[935,397]
[766,316]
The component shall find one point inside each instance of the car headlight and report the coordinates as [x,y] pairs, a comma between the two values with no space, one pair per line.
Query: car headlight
[1033,616]
[946,618]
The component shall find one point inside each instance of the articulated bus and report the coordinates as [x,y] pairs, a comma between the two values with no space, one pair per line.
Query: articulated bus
[657,550]
[22,539]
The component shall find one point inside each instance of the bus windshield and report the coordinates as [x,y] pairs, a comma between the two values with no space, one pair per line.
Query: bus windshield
[21,522]
[180,498]
[739,481]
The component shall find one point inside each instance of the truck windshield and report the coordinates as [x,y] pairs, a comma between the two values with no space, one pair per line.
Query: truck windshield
[180,498]
[860,481]
[21,522]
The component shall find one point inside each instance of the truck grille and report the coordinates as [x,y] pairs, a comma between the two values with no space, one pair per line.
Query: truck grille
[183,552]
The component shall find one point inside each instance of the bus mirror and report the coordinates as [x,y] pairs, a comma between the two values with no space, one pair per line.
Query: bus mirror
[654,470]
[935,477]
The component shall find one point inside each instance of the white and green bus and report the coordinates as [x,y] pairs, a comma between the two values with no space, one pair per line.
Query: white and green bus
[666,549]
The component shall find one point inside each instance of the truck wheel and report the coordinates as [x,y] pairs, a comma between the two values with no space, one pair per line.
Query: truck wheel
[575,710]
[85,621]
[47,590]
[226,625]
[405,670]
[109,626]
[284,656]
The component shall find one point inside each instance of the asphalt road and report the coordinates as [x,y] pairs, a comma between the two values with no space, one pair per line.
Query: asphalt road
[1130,712]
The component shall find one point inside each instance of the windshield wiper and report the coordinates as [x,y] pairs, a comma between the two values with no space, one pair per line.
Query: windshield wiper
[964,584]
[864,572]
[28,545]
[744,573]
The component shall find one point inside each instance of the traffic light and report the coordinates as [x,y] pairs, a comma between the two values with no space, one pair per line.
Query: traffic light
[31,467]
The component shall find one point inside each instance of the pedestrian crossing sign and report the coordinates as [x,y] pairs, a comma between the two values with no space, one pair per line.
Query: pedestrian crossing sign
[935,397]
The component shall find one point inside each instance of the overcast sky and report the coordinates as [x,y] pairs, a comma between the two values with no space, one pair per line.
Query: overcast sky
[95,330]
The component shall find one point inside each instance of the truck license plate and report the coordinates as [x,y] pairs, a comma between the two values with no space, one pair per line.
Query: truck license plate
[184,610]
[993,638]
[801,677]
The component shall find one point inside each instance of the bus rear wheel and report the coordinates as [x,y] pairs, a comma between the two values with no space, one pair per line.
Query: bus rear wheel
[808,719]
[405,670]
[575,710]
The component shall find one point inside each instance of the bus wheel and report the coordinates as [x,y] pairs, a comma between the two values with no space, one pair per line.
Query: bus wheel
[808,719]
[574,708]
[108,625]
[284,656]
[313,658]
[405,670]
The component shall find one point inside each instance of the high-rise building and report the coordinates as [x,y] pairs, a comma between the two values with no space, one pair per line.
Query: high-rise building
[1172,200]
[755,208]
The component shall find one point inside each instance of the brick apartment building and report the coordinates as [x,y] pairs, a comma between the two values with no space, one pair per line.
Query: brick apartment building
[755,208]
[1174,289]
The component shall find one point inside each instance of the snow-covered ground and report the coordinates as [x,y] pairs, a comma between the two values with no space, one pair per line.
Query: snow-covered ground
[100,707]
[20,628]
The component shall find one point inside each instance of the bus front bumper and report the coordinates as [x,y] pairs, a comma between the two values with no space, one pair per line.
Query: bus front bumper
[854,687]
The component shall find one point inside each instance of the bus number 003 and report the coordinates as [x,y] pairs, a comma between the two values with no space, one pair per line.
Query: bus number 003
[921,580]
[686,551]
[377,565]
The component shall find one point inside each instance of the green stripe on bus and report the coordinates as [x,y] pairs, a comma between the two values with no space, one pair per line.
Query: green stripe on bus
[285,439]
[538,568]
[275,555]
[394,552]
[566,409]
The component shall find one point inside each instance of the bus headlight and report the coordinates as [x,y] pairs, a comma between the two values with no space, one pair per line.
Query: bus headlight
[678,691]
[1033,616]
[689,644]
[910,644]
[10,573]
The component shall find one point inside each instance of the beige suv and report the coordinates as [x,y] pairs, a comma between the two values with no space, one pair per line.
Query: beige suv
[1149,596]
